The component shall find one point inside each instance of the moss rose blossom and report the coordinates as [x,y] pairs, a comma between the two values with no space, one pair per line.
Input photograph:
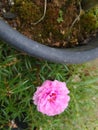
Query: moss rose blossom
[51,97]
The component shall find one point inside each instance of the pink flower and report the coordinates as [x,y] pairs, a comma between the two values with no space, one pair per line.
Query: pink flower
[51,97]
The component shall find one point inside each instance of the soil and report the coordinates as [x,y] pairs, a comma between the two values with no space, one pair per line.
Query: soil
[63,24]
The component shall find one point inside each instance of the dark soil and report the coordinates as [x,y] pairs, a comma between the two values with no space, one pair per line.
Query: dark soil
[57,28]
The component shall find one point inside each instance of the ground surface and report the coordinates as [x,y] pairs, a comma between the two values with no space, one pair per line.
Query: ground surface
[20,74]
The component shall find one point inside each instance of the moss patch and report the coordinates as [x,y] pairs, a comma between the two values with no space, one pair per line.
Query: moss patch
[55,27]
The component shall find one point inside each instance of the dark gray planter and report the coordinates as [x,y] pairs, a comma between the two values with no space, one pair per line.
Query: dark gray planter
[72,56]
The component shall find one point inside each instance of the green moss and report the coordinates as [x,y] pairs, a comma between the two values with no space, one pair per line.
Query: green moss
[89,21]
[52,28]
[26,10]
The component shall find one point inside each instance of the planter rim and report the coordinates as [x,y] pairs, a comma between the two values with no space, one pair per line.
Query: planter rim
[72,56]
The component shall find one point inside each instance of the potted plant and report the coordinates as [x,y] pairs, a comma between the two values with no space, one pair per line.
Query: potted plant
[75,55]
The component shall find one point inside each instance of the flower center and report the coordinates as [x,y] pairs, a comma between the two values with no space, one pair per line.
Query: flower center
[52,97]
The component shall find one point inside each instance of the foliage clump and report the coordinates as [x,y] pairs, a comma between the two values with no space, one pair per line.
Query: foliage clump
[27,11]
[89,21]
[20,75]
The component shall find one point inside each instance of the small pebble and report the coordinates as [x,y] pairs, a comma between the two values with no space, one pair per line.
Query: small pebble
[11,2]
[9,15]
